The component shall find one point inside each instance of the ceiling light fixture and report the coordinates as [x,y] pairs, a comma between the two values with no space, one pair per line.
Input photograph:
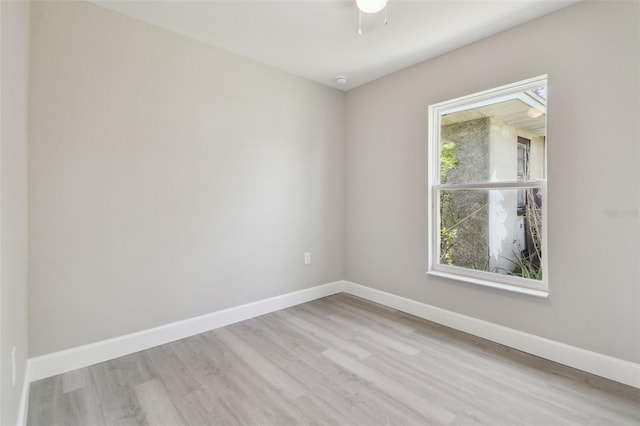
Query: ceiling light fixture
[370,6]
[342,79]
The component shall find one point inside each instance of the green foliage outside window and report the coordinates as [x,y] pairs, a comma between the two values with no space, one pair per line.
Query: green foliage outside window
[448,161]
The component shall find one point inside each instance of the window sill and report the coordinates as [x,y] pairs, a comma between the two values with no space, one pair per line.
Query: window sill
[492,284]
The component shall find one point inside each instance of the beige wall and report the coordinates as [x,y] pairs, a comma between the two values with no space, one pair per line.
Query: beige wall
[14,60]
[169,179]
[590,53]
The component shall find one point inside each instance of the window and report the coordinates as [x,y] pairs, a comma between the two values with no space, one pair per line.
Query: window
[487,188]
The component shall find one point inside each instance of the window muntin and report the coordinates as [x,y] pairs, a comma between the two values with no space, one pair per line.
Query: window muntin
[487,185]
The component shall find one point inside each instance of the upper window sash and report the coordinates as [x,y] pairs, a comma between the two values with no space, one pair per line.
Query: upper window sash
[484,98]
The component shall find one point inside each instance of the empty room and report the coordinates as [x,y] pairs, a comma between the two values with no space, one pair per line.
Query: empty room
[328,212]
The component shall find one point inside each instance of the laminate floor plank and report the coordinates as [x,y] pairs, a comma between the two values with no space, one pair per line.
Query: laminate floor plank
[312,316]
[186,392]
[324,402]
[339,360]
[157,404]
[379,318]
[196,354]
[76,379]
[261,365]
[358,399]
[114,383]
[330,395]
[326,337]
[441,387]
[261,396]
[45,401]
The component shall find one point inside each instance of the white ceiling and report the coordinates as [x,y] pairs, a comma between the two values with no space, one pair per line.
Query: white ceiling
[317,39]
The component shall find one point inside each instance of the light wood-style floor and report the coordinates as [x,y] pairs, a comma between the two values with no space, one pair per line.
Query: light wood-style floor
[339,360]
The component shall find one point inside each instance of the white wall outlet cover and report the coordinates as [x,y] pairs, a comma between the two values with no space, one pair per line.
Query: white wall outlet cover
[13,366]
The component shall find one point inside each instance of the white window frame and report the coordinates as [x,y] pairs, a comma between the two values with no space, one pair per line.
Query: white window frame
[539,288]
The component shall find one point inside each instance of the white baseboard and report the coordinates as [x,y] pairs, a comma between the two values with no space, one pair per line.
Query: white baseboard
[60,362]
[24,398]
[602,365]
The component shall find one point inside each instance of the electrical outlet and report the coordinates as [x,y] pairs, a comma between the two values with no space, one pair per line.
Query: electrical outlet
[307,258]
[13,366]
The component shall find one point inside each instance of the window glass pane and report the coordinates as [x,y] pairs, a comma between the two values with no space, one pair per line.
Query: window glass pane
[481,144]
[483,230]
